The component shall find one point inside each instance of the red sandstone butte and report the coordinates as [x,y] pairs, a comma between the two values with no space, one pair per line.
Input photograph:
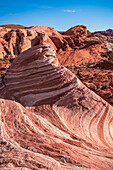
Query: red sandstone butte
[49,119]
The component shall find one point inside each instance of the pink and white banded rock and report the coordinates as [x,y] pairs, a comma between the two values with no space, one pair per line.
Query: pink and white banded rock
[49,119]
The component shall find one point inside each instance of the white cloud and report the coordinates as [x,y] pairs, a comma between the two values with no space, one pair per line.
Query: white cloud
[70,11]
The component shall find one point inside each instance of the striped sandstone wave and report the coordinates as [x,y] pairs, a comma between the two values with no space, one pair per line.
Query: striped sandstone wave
[49,119]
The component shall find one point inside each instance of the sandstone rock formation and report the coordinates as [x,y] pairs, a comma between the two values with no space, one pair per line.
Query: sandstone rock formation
[49,119]
[80,30]
[76,47]
[15,41]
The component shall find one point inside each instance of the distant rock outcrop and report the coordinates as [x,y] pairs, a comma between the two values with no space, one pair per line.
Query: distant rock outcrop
[108,32]
[49,119]
[80,30]
[13,26]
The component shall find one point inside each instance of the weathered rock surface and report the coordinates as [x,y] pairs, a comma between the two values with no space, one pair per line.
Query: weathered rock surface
[49,119]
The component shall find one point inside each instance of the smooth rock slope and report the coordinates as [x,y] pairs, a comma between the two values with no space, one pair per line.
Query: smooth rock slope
[49,119]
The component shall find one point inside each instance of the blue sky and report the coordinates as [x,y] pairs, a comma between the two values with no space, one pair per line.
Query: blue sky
[60,14]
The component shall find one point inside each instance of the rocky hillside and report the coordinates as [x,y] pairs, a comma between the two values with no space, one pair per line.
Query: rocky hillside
[49,119]
[76,48]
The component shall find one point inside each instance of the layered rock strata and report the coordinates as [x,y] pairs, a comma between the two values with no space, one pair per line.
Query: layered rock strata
[49,119]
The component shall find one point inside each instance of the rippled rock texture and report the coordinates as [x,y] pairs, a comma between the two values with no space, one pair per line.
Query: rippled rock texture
[49,119]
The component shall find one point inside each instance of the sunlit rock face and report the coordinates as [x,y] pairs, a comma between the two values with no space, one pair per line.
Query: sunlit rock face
[49,119]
